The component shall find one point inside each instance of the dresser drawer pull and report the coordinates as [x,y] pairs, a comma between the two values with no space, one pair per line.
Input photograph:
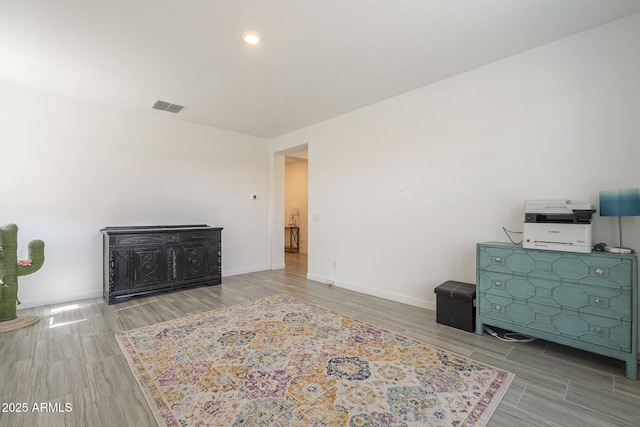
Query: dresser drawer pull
[598,301]
[498,284]
[599,271]
[598,330]
[498,259]
[498,308]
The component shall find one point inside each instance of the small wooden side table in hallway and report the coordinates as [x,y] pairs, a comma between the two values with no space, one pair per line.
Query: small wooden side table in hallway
[294,240]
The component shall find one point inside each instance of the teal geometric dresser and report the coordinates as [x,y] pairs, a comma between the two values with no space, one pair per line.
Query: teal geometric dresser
[587,301]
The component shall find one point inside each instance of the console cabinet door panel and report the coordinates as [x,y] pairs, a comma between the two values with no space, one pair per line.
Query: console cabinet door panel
[195,265]
[146,261]
[122,270]
[174,264]
[213,258]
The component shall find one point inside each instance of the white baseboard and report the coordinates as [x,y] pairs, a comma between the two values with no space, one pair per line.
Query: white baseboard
[244,270]
[39,302]
[59,300]
[278,266]
[430,305]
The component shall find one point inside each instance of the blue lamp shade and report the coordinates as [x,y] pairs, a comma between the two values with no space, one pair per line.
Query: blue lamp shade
[624,202]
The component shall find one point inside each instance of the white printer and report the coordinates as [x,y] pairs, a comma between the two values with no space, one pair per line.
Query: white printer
[558,225]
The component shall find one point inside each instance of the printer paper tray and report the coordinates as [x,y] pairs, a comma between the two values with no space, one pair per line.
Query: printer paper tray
[555,246]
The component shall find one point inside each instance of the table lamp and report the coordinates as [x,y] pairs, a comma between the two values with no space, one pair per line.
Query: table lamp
[292,220]
[625,202]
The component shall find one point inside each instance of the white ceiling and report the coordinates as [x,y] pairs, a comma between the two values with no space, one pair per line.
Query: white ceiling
[318,59]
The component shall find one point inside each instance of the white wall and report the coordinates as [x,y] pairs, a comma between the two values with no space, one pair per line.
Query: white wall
[70,168]
[402,190]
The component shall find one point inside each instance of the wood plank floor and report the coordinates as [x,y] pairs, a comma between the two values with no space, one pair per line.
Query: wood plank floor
[71,357]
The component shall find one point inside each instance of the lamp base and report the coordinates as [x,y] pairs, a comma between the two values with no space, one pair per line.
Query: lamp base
[618,250]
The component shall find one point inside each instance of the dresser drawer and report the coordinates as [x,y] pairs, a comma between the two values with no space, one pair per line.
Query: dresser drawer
[599,270]
[139,239]
[614,303]
[518,287]
[198,236]
[504,308]
[564,323]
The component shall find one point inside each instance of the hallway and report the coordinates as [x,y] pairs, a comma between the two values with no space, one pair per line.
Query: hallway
[296,264]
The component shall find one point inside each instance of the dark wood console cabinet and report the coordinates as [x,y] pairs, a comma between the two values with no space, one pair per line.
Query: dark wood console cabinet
[142,260]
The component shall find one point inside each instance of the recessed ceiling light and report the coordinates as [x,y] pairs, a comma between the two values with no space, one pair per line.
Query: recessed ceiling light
[251,38]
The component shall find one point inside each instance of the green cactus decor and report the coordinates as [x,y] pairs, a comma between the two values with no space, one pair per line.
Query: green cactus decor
[11,268]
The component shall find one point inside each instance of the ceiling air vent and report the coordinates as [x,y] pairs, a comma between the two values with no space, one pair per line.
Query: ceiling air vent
[167,106]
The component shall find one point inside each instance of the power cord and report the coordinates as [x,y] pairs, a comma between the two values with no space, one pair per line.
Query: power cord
[509,336]
[509,236]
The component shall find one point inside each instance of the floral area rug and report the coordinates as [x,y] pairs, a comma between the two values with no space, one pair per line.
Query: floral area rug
[280,361]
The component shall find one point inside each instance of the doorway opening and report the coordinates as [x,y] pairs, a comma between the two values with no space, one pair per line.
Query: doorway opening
[296,196]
